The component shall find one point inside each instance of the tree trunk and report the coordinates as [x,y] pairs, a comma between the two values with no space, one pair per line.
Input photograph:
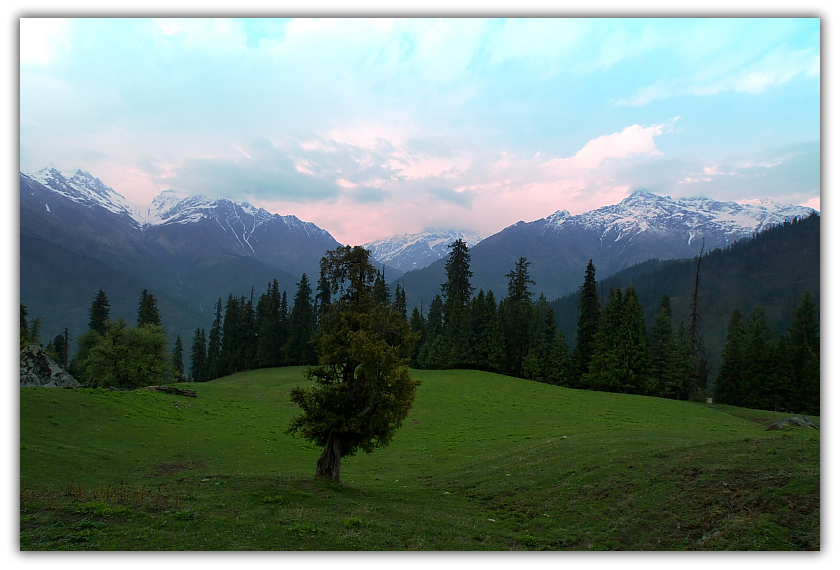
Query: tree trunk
[329,464]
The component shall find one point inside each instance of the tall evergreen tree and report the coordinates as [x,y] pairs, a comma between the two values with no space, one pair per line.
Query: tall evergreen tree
[323,298]
[302,325]
[590,315]
[758,358]
[100,313]
[214,344]
[804,353]
[457,291]
[381,294]
[363,391]
[400,302]
[516,314]
[488,344]
[621,362]
[230,355]
[418,326]
[178,360]
[147,311]
[664,368]
[728,388]
[198,357]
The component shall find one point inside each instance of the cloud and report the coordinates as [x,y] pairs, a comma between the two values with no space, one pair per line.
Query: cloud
[42,39]
[775,67]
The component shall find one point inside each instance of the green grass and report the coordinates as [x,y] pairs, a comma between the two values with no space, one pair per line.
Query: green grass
[483,462]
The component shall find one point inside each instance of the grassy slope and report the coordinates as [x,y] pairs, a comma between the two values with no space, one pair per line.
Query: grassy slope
[483,462]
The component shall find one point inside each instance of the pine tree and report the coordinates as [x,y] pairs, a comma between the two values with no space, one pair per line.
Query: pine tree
[804,353]
[302,326]
[198,357]
[363,391]
[663,350]
[323,298]
[728,387]
[214,345]
[400,302]
[457,291]
[418,326]
[758,358]
[380,289]
[603,367]
[516,314]
[100,313]
[178,360]
[590,315]
[147,311]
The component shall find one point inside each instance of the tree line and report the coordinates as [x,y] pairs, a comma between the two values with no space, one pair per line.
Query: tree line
[111,353]
[614,350]
[247,335]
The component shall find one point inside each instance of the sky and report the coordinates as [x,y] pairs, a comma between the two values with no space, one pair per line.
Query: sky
[371,127]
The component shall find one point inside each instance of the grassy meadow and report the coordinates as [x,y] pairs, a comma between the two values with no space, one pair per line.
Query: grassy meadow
[483,462]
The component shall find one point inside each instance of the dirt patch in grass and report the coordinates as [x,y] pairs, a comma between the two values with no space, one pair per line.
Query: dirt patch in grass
[167,469]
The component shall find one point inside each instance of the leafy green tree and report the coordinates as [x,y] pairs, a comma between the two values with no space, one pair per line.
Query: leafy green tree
[24,326]
[100,313]
[198,357]
[302,326]
[587,327]
[362,390]
[728,387]
[270,328]
[84,344]
[147,311]
[231,347]
[178,360]
[128,357]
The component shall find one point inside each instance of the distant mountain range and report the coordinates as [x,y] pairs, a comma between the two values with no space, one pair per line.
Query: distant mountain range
[188,252]
[642,226]
[77,235]
[408,252]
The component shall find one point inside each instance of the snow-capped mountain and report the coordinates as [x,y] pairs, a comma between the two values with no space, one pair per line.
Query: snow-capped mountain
[415,251]
[239,219]
[643,226]
[77,236]
[647,213]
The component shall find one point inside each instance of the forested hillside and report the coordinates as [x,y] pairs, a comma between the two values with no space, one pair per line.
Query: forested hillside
[773,269]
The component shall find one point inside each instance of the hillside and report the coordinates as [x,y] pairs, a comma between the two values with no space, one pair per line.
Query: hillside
[772,269]
[483,462]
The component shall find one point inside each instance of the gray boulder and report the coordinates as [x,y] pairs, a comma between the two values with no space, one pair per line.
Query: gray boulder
[38,369]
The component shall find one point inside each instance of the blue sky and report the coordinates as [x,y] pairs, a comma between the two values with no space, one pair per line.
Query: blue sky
[372,127]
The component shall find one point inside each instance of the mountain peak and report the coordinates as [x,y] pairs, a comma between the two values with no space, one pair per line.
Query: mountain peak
[415,251]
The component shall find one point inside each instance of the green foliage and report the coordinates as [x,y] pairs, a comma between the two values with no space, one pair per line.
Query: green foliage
[362,390]
[128,357]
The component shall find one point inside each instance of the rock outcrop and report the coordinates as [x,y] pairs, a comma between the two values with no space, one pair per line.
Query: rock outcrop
[38,369]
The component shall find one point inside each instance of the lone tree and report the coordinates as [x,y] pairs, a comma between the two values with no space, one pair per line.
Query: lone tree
[362,390]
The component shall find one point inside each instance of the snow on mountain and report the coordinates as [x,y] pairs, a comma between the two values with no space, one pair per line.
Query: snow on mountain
[167,208]
[415,251]
[645,212]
